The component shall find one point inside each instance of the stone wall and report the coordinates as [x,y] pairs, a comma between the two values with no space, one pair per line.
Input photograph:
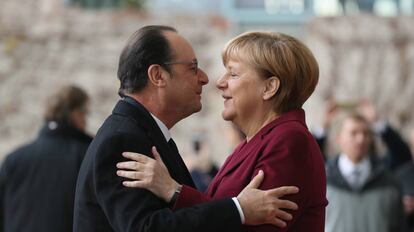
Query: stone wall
[366,57]
[44,48]
[44,45]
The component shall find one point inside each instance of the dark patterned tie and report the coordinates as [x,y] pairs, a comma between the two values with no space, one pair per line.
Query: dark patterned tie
[356,179]
[173,146]
[181,168]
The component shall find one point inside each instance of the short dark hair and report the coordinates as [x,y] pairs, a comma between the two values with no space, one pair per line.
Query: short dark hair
[65,101]
[145,47]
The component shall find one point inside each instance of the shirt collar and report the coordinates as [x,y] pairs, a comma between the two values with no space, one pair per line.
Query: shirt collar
[347,167]
[163,128]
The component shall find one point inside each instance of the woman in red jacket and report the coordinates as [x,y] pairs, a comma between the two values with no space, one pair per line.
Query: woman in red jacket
[268,78]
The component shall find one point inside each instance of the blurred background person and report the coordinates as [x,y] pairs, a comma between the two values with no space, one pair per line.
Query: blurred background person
[397,150]
[37,180]
[362,194]
[405,174]
[200,162]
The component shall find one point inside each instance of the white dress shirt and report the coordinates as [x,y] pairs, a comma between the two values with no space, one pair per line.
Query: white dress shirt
[355,174]
[163,128]
[167,136]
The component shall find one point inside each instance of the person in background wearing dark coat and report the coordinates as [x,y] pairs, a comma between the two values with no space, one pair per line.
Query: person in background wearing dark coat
[362,193]
[37,180]
[398,151]
[405,174]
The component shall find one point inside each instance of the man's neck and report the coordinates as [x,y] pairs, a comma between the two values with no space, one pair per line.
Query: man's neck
[155,106]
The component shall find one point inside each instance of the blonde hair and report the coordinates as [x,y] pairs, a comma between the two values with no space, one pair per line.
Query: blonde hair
[282,56]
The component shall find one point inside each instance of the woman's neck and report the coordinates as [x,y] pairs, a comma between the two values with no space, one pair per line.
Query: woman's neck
[255,124]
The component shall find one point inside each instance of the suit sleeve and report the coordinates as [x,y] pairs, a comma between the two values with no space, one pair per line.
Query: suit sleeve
[398,150]
[190,197]
[133,210]
[3,178]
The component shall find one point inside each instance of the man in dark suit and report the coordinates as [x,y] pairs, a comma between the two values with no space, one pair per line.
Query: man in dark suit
[398,151]
[38,180]
[161,84]
[357,180]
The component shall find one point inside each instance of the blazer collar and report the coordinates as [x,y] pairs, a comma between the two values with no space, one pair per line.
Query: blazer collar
[52,128]
[247,148]
[138,113]
[293,115]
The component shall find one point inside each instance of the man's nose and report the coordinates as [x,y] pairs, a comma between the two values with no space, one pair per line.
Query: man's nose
[202,76]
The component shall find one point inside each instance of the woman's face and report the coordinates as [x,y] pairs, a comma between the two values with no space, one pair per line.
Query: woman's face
[242,89]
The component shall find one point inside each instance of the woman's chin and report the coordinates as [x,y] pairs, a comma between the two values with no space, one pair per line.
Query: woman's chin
[226,116]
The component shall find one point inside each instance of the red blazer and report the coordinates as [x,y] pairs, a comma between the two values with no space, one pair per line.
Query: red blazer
[289,155]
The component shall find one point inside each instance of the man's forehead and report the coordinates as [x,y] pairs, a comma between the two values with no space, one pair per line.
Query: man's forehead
[353,122]
[179,45]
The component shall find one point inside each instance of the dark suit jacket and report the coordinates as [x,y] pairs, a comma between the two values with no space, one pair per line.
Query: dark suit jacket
[103,204]
[289,155]
[37,181]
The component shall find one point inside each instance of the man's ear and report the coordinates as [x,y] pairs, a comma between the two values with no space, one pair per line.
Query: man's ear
[156,75]
[271,87]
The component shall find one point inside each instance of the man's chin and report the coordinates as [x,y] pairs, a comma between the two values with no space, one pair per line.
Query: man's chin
[196,109]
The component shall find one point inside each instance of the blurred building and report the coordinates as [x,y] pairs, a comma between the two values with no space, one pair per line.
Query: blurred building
[45,44]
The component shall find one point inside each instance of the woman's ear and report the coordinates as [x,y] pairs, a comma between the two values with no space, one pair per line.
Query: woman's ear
[271,87]
[156,75]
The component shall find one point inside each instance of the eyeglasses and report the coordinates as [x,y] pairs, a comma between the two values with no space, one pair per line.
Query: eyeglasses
[193,62]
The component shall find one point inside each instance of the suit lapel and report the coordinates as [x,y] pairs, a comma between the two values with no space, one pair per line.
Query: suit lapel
[234,161]
[171,158]
[254,144]
[239,156]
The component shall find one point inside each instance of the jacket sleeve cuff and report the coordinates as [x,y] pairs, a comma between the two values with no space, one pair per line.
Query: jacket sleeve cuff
[189,197]
[239,208]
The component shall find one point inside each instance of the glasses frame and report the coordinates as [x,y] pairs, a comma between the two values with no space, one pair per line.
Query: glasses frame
[193,62]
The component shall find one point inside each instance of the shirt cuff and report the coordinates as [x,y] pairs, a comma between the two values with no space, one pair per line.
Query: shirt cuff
[239,209]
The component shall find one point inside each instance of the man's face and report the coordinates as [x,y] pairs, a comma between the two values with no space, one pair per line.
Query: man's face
[78,119]
[184,87]
[354,139]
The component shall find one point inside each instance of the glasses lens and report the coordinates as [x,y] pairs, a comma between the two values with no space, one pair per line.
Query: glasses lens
[193,63]
[195,66]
